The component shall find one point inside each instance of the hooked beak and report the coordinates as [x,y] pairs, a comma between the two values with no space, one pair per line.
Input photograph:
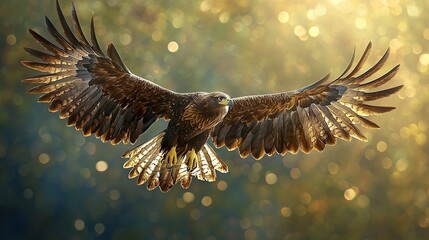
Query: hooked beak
[230,103]
[226,102]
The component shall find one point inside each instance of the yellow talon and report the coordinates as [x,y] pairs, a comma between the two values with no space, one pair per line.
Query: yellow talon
[171,157]
[191,160]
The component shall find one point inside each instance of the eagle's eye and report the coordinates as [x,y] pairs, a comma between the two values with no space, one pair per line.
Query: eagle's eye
[219,99]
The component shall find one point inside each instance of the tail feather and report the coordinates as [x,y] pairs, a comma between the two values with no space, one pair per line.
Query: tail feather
[147,165]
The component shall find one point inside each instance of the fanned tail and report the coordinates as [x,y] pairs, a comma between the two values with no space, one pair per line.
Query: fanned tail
[147,165]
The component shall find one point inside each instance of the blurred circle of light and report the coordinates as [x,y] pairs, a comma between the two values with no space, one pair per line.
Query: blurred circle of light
[101,166]
[44,158]
[99,228]
[188,197]
[283,17]
[349,194]
[206,201]
[271,178]
[79,224]
[222,185]
[286,212]
[173,46]
[295,173]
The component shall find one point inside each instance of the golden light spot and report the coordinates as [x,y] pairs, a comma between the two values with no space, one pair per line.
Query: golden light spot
[206,201]
[238,27]
[402,165]
[11,39]
[205,6]
[320,10]
[386,163]
[286,212]
[363,201]
[305,198]
[177,21]
[333,168]
[99,228]
[222,185]
[125,39]
[79,224]
[314,31]
[188,197]
[349,194]
[245,223]
[413,10]
[283,17]
[381,146]
[44,158]
[299,31]
[114,194]
[405,132]
[180,203]
[101,166]
[173,46]
[360,22]
[424,222]
[424,59]
[421,139]
[224,17]
[426,33]
[271,178]
[311,15]
[256,167]
[156,36]
[295,173]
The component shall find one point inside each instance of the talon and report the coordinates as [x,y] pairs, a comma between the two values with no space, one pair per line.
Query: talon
[171,157]
[191,160]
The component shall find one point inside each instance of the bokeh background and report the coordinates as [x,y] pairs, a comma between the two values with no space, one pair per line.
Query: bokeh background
[54,183]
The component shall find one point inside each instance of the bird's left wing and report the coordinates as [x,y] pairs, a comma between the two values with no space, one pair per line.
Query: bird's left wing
[94,91]
[308,118]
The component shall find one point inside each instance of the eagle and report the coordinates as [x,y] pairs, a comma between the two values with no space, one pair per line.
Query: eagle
[99,95]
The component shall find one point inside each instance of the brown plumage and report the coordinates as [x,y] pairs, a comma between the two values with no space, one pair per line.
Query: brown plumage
[99,95]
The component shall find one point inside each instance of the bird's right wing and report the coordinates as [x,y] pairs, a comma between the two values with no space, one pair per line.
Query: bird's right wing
[95,91]
[307,118]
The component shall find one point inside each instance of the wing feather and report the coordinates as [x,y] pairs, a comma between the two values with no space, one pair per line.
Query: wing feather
[96,92]
[309,118]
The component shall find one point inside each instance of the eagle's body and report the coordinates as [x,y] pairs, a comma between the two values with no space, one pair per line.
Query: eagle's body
[99,95]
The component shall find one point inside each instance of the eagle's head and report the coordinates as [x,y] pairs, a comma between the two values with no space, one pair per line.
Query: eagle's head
[218,100]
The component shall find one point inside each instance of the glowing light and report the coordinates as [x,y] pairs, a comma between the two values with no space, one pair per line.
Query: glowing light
[125,39]
[424,59]
[188,197]
[205,6]
[314,31]
[333,168]
[381,146]
[360,23]
[295,173]
[101,166]
[222,185]
[224,17]
[79,224]
[99,228]
[44,158]
[206,201]
[299,31]
[386,163]
[114,194]
[173,46]
[283,17]
[402,165]
[271,178]
[11,39]
[286,212]
[350,194]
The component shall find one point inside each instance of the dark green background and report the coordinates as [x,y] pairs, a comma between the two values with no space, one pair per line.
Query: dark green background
[50,188]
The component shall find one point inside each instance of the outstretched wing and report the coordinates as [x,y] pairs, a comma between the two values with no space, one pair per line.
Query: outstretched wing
[95,91]
[308,118]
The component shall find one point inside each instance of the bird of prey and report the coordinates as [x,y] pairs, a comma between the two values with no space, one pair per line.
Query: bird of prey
[99,95]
